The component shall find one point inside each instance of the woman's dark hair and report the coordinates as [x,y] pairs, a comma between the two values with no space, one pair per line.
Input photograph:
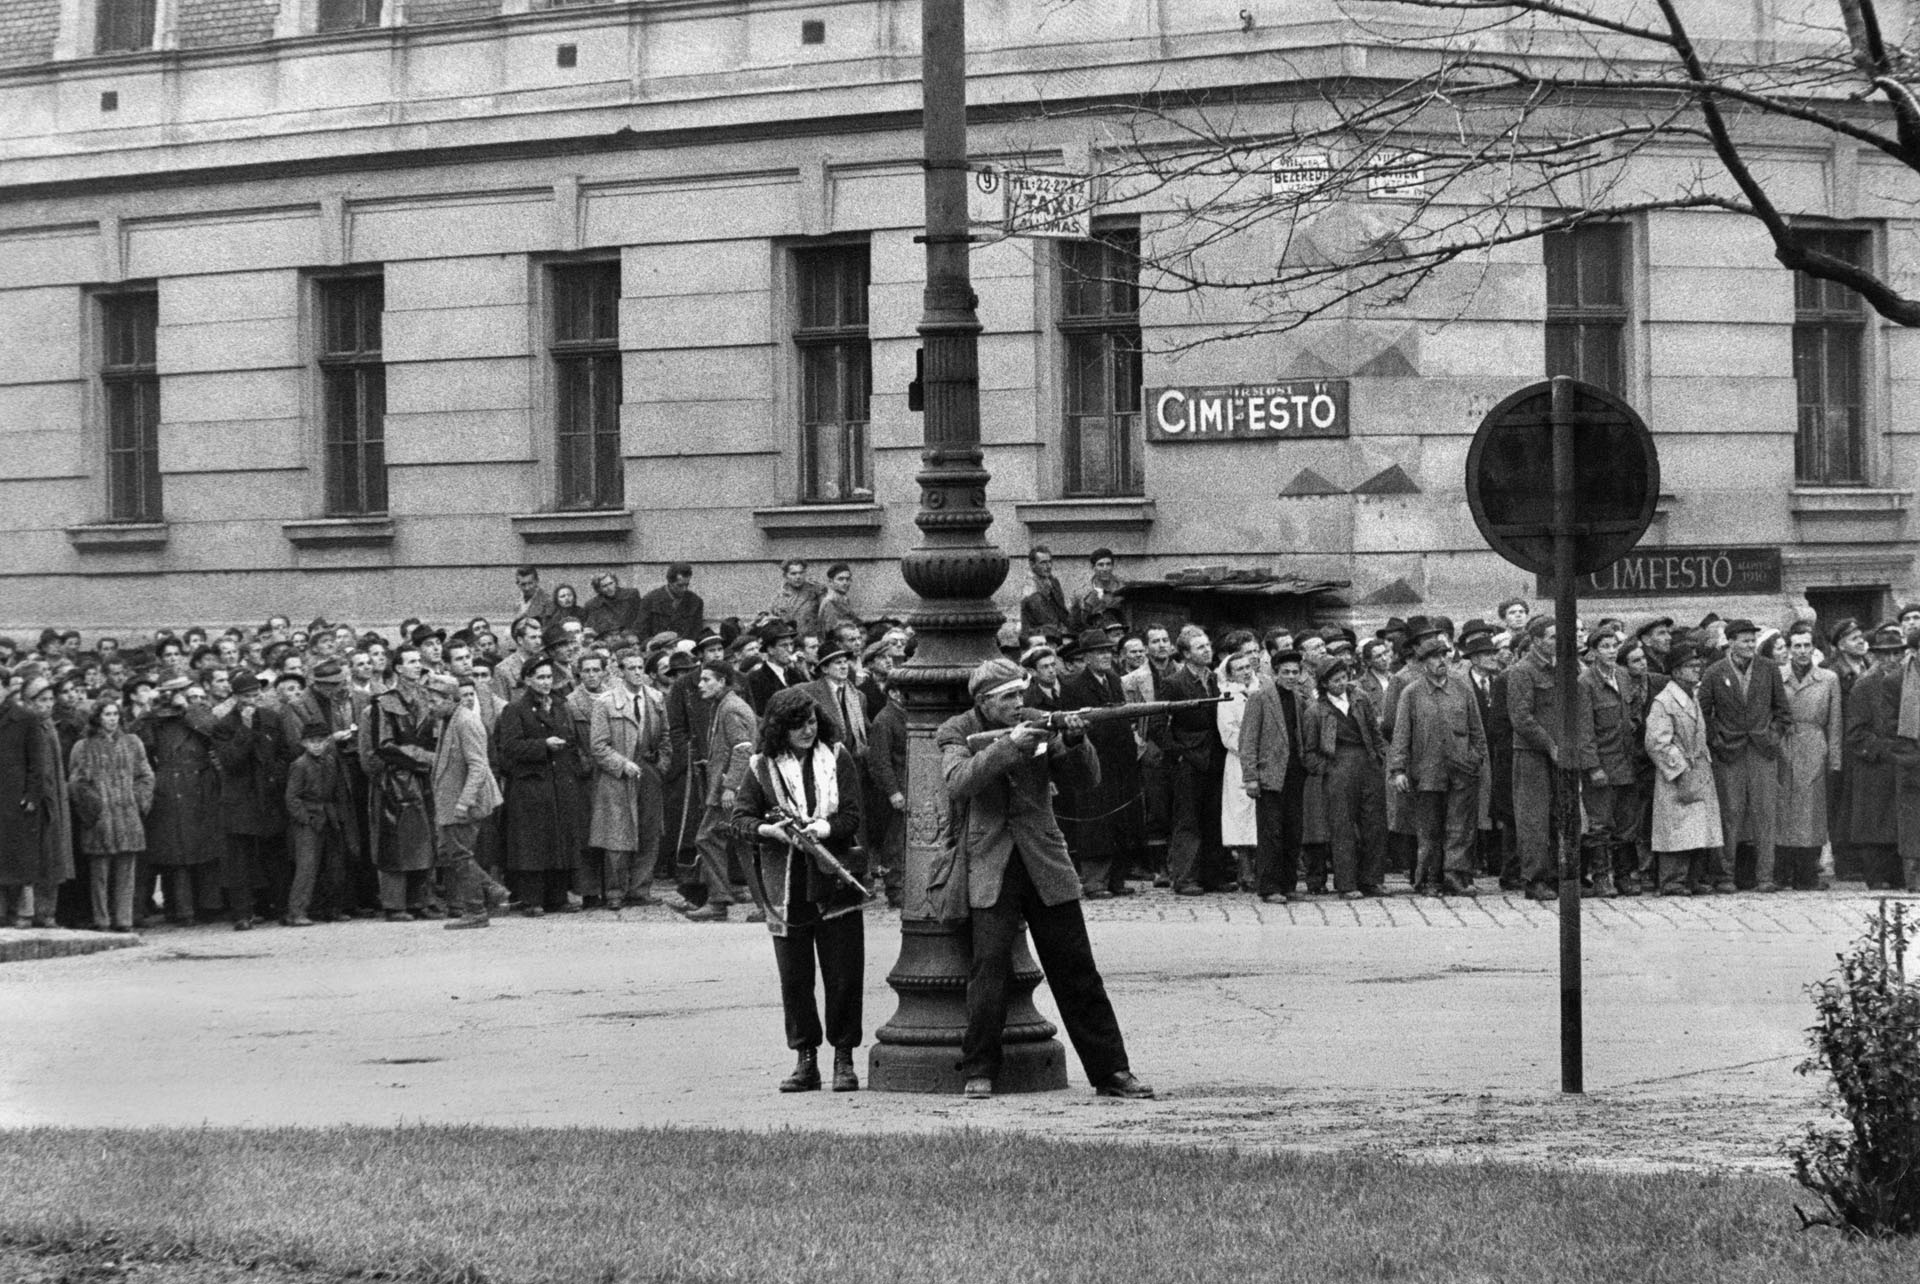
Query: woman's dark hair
[93,718]
[789,709]
[570,591]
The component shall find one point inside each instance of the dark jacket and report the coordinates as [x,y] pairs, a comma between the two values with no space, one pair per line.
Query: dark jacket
[1533,705]
[1001,803]
[661,612]
[544,785]
[319,797]
[755,802]
[621,613]
[1613,722]
[765,682]
[183,825]
[1191,735]
[1736,723]
[253,772]
[1885,788]
[1266,751]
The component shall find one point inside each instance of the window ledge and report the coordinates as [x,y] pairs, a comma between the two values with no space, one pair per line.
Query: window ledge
[1849,501]
[816,519]
[118,537]
[1126,512]
[338,532]
[599,526]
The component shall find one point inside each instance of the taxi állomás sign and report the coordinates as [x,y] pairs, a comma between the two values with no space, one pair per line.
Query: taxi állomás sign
[1248,412]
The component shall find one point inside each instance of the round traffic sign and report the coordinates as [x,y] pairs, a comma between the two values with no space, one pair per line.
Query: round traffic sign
[1616,475]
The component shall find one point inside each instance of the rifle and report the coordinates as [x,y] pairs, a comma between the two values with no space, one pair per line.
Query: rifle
[801,841]
[1057,720]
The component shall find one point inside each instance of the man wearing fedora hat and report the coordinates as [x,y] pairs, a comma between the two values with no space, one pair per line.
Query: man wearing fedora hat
[1744,704]
[777,670]
[1109,827]
[1439,749]
[250,745]
[1884,766]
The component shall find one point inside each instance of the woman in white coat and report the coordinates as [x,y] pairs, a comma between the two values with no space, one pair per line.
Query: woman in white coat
[1237,833]
[1686,808]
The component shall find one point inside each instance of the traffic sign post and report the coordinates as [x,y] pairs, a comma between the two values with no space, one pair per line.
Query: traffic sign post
[1603,481]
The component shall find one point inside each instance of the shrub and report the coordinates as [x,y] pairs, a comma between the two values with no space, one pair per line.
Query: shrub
[1867,1038]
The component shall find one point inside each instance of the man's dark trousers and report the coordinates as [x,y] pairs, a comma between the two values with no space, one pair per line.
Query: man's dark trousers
[1276,826]
[1059,935]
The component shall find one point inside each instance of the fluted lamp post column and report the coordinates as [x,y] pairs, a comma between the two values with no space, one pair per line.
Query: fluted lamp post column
[955,572]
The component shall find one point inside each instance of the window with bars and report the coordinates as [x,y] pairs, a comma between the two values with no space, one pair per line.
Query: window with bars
[347,15]
[123,26]
[353,381]
[836,373]
[1829,344]
[584,347]
[1587,304]
[130,388]
[1100,326]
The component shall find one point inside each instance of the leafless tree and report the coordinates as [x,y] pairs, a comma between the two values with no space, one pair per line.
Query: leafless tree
[1472,125]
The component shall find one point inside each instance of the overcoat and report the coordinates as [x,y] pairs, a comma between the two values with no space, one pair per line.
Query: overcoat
[464,790]
[1885,768]
[253,773]
[119,769]
[1236,807]
[1686,812]
[627,728]
[1813,746]
[1737,721]
[1000,803]
[36,847]
[403,740]
[183,825]
[1840,782]
[1437,737]
[543,785]
[1111,820]
[731,731]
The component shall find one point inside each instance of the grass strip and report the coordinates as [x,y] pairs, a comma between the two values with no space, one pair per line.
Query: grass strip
[591,1205]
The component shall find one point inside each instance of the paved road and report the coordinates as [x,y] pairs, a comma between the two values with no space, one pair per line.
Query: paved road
[1409,1025]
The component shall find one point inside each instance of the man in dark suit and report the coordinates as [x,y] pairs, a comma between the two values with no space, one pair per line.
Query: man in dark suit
[777,670]
[1744,704]
[1016,870]
[673,607]
[1190,742]
[1111,829]
[1498,854]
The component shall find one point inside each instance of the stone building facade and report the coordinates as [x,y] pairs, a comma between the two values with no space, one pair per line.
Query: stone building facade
[351,306]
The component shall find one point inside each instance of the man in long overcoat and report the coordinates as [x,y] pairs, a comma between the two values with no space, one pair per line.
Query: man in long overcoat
[1111,827]
[403,737]
[250,744]
[1885,767]
[546,768]
[183,825]
[1745,705]
[1439,748]
[1273,769]
[1812,749]
[1190,743]
[627,739]
[1533,706]
[36,837]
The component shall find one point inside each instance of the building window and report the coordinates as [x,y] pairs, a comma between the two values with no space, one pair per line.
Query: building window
[1100,323]
[130,386]
[353,382]
[347,15]
[585,349]
[1587,305]
[123,26]
[836,373]
[1829,344]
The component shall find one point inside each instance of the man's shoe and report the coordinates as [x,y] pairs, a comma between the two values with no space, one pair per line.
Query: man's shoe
[569,908]
[1121,1083]
[978,1088]
[1724,889]
[1541,892]
[465,921]
[1124,890]
[844,1079]
[533,911]
[676,902]
[1161,880]
[432,911]
[1769,887]
[613,903]
[756,915]
[498,896]
[1273,898]
[1189,889]
[302,921]
[717,913]
[1454,885]
[1353,896]
[239,925]
[806,1073]
[1097,894]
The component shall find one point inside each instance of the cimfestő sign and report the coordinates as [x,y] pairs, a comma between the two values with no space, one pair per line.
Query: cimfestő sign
[1243,412]
[1684,572]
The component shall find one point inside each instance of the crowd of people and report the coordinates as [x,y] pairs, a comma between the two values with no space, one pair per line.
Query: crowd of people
[593,749]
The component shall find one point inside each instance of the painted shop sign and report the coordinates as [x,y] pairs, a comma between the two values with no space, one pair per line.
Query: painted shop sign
[1248,411]
[1683,572]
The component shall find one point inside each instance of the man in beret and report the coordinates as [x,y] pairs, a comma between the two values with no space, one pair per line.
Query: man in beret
[1012,866]
[1744,705]
[1533,707]
[1438,751]
[1656,637]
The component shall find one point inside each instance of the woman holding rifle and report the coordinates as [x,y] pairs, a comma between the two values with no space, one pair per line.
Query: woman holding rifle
[801,802]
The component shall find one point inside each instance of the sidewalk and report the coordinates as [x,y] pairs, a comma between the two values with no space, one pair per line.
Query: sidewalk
[1406,1025]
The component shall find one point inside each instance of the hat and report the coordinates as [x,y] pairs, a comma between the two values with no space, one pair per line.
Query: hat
[1289,656]
[1476,643]
[1433,645]
[244,683]
[873,649]
[774,630]
[1647,626]
[1419,628]
[314,729]
[1683,654]
[1708,620]
[995,676]
[172,685]
[663,639]
[712,639]
[1325,666]
[1472,627]
[426,632]
[444,684]
[553,635]
[1838,633]
[1737,627]
[301,678]
[1092,640]
[1537,626]
[1907,610]
[1888,637]
[681,662]
[1033,655]
[837,653]
[1393,625]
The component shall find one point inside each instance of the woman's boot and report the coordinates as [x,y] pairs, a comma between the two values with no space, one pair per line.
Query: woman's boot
[806,1073]
[844,1079]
